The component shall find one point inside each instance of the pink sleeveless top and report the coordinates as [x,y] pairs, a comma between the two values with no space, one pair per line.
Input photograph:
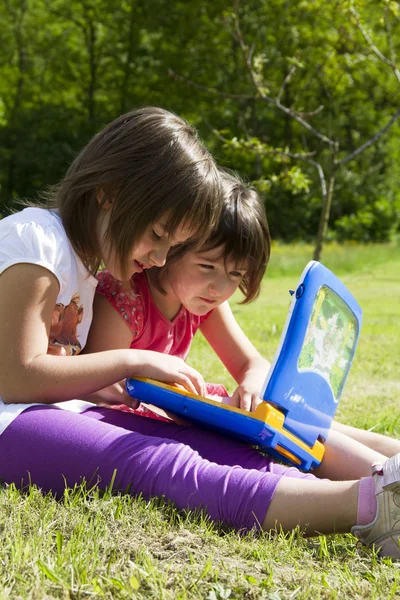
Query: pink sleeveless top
[150,329]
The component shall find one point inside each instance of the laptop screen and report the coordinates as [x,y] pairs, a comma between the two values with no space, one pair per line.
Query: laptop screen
[330,339]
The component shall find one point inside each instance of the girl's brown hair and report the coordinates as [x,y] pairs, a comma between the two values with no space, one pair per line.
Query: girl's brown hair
[146,163]
[242,234]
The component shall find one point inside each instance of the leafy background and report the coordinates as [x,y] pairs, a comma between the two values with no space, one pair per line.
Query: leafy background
[67,67]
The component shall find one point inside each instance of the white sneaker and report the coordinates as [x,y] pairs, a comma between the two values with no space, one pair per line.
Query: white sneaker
[384,531]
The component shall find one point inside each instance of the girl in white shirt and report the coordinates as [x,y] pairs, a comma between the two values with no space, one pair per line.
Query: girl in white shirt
[142,185]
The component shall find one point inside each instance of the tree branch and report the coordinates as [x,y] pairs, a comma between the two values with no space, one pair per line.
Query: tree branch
[314,163]
[389,37]
[261,91]
[374,49]
[286,81]
[208,89]
[370,142]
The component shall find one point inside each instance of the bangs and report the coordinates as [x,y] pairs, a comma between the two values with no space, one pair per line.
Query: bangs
[243,235]
[148,163]
[233,248]
[190,197]
[244,248]
[185,201]
[194,210]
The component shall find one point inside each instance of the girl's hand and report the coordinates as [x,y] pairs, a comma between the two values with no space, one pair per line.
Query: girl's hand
[113,395]
[169,369]
[240,357]
[167,414]
[247,395]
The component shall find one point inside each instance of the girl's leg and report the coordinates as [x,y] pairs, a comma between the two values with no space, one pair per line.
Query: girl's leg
[321,506]
[316,506]
[345,458]
[211,446]
[376,441]
[53,448]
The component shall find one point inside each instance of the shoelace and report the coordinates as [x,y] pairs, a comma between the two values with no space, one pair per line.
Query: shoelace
[391,472]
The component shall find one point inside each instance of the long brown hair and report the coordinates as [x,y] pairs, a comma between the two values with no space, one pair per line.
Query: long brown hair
[242,233]
[147,163]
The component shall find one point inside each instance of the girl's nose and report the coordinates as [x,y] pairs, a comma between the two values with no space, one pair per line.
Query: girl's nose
[216,287]
[158,256]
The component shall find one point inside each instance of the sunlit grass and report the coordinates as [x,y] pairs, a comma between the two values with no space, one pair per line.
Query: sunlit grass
[112,546]
[340,258]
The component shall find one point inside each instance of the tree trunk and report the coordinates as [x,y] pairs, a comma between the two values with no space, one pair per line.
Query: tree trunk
[132,43]
[324,219]
[13,116]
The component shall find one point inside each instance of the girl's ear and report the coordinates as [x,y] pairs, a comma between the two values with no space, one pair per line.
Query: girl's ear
[102,200]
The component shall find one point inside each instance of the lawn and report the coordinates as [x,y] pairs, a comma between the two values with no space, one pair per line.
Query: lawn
[112,546]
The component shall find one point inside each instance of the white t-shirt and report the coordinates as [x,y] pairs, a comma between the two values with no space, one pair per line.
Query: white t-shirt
[37,236]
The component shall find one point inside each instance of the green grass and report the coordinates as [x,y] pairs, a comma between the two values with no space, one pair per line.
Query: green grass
[91,545]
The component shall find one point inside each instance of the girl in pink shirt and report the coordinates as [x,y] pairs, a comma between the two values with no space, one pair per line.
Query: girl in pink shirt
[163,309]
[150,329]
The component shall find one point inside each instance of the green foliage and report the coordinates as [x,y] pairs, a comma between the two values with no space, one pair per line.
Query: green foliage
[37,153]
[376,222]
[68,67]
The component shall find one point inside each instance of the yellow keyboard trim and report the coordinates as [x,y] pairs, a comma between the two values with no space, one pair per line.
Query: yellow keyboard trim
[265,412]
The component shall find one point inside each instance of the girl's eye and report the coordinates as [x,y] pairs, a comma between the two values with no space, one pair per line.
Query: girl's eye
[155,235]
[237,275]
[203,266]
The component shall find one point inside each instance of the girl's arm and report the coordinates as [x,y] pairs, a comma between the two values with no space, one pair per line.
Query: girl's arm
[108,330]
[28,294]
[240,357]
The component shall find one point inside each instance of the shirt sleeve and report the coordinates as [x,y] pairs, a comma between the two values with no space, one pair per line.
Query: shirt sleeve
[126,302]
[38,244]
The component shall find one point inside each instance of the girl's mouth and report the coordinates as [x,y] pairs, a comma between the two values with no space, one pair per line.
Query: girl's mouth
[139,266]
[207,301]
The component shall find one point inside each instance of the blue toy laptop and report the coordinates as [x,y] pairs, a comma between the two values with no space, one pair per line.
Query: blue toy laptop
[304,384]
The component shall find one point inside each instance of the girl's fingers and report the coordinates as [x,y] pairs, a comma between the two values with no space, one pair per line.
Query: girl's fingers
[245,402]
[131,402]
[187,383]
[197,381]
[234,399]
[256,400]
[200,385]
[241,399]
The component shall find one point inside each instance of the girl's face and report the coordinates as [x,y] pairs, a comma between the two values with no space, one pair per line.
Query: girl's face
[149,251]
[203,280]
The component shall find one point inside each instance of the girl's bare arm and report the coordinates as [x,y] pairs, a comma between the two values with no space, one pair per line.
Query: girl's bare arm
[28,294]
[238,354]
[108,330]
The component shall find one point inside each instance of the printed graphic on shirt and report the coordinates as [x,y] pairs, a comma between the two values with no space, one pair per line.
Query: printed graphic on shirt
[63,339]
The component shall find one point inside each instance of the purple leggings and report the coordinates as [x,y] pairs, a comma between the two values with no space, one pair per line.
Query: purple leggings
[192,467]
